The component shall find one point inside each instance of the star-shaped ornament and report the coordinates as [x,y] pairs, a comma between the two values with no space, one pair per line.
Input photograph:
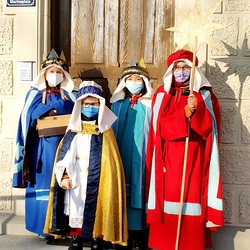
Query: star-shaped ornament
[196,27]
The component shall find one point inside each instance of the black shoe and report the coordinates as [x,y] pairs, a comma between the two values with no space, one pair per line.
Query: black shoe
[141,239]
[97,244]
[75,243]
[107,245]
[50,239]
[128,247]
[120,247]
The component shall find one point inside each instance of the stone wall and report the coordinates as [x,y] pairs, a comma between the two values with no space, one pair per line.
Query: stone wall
[228,72]
[227,69]
[18,42]
[6,91]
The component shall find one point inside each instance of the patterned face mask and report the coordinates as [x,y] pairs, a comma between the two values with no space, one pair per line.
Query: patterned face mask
[182,76]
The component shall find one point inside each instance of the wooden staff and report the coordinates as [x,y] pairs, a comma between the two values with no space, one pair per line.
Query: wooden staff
[191,85]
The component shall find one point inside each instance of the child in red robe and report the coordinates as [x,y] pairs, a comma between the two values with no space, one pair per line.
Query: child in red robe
[178,114]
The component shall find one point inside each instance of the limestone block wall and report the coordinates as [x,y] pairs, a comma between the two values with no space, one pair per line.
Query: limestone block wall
[18,42]
[228,70]
[229,74]
[6,90]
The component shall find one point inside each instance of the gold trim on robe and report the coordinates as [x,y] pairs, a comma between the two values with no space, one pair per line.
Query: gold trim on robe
[111,216]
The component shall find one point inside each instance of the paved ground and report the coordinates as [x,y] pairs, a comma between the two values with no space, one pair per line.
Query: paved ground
[228,238]
[12,242]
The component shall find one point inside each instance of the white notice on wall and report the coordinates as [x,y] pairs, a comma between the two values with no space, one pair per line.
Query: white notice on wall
[25,71]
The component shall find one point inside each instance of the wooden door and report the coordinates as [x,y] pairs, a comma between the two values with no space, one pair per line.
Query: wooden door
[107,34]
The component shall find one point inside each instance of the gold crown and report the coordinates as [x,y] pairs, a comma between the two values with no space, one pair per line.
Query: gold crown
[53,58]
[135,69]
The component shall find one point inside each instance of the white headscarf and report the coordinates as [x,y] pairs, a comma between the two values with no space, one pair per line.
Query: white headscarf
[199,79]
[67,84]
[105,116]
[119,93]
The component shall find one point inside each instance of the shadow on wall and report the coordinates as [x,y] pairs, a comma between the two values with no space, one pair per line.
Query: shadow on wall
[230,81]
[97,76]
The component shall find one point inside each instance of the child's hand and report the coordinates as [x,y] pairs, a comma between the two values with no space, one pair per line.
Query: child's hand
[52,112]
[192,102]
[66,183]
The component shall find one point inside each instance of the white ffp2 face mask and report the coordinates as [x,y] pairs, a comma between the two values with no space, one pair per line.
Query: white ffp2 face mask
[54,79]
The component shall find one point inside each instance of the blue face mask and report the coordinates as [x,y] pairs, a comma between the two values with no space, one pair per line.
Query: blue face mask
[182,76]
[90,111]
[134,87]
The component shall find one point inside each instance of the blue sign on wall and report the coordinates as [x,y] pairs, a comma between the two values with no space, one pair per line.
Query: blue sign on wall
[20,3]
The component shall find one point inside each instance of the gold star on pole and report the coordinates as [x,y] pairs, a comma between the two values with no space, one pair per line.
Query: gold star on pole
[196,27]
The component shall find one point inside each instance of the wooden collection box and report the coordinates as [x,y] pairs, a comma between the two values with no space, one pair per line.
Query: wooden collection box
[52,125]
